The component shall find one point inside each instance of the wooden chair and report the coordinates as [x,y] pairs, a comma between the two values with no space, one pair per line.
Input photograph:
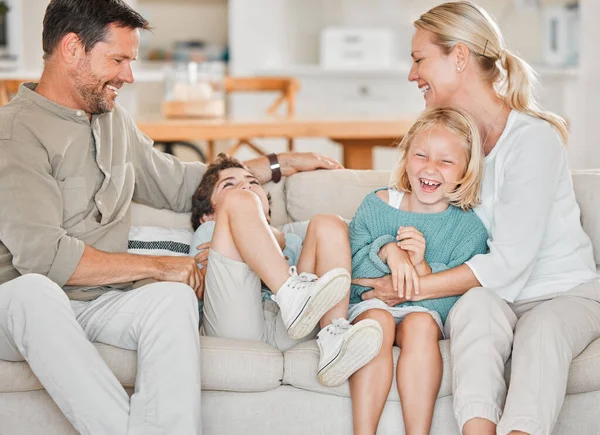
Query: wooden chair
[8,89]
[285,86]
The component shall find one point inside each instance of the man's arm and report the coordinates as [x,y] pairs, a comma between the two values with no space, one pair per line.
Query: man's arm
[97,268]
[291,163]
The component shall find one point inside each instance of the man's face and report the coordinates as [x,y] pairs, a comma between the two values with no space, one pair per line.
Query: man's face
[102,71]
[238,178]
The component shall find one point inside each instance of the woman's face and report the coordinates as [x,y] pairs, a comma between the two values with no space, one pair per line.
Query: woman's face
[434,72]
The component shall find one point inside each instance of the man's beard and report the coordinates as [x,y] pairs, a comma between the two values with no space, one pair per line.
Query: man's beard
[93,90]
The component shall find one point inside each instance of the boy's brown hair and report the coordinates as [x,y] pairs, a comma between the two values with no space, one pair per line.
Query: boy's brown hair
[201,200]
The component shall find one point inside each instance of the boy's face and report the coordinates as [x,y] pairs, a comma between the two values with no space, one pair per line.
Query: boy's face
[238,178]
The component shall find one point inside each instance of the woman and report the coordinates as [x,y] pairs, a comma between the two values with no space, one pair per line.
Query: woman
[537,288]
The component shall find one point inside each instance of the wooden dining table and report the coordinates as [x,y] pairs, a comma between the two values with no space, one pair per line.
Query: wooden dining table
[358,135]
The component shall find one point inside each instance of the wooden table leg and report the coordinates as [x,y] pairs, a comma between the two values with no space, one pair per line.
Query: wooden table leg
[358,153]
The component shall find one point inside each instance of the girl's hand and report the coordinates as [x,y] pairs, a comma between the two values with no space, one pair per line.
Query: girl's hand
[412,241]
[405,279]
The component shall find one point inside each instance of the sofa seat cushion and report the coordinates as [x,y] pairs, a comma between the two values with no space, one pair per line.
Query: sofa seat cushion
[227,365]
[300,371]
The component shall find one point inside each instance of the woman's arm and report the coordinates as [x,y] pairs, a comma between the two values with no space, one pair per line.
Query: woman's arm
[452,282]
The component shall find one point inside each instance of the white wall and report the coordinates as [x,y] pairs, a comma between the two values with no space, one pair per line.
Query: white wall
[584,148]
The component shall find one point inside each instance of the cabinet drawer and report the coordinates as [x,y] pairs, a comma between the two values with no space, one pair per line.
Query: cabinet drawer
[359,96]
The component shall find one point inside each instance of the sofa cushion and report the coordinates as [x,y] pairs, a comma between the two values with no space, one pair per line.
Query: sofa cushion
[587,190]
[227,365]
[300,368]
[143,215]
[330,192]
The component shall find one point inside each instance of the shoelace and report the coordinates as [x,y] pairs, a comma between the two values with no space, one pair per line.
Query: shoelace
[303,279]
[339,326]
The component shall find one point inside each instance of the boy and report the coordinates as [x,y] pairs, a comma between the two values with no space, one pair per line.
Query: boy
[245,249]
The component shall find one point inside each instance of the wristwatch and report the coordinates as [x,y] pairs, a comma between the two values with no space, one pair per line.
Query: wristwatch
[275,167]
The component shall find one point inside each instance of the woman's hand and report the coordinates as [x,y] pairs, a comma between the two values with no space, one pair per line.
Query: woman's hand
[412,241]
[383,290]
[405,279]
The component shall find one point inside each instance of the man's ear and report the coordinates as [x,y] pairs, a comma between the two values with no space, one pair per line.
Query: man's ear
[71,48]
[207,217]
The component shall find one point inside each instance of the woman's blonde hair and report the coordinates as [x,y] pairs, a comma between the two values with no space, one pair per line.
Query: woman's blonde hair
[465,22]
[466,194]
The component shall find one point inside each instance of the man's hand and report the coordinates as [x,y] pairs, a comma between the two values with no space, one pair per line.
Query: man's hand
[405,279]
[412,241]
[292,163]
[180,269]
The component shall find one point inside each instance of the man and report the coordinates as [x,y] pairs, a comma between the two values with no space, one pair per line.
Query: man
[71,162]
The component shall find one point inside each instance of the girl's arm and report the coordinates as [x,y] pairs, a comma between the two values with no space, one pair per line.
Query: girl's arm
[452,279]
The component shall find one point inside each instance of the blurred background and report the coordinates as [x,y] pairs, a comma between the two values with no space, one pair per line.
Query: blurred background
[309,40]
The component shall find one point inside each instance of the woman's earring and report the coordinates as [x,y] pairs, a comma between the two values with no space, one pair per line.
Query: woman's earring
[457,68]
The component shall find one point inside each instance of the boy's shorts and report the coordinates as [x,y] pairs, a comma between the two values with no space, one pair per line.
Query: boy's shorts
[233,305]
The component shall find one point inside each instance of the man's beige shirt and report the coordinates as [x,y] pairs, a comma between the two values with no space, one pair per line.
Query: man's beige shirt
[66,182]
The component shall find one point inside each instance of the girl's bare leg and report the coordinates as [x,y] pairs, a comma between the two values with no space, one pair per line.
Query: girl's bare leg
[419,370]
[370,385]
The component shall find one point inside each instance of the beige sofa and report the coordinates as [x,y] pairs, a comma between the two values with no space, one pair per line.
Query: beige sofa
[251,388]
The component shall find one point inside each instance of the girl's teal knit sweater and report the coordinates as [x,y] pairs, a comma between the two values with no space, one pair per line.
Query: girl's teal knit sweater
[452,237]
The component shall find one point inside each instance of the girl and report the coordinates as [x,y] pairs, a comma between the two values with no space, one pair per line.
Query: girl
[537,291]
[421,225]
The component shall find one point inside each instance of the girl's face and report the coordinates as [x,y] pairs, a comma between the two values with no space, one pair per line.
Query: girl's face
[436,160]
[434,72]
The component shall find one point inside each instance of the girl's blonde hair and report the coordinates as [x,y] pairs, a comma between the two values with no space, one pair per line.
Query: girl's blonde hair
[466,194]
[464,22]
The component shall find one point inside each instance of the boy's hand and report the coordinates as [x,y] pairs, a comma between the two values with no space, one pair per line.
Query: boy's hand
[405,279]
[412,241]
[279,236]
[200,289]
[202,256]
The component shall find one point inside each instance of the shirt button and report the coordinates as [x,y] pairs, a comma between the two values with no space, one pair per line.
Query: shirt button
[79,113]
[99,203]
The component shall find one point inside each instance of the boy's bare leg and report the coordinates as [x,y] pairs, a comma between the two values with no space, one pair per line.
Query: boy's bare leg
[370,385]
[419,370]
[327,246]
[242,233]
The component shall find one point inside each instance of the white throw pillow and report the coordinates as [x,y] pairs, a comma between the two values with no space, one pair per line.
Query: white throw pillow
[149,240]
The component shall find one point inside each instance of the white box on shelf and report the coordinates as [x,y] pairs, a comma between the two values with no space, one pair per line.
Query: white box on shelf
[356,48]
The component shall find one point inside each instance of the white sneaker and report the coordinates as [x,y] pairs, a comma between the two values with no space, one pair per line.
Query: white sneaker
[305,298]
[345,348]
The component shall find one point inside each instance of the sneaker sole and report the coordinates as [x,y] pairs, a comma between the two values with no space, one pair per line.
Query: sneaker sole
[323,300]
[362,345]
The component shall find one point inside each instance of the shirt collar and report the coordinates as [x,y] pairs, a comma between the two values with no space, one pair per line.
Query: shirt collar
[27,91]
